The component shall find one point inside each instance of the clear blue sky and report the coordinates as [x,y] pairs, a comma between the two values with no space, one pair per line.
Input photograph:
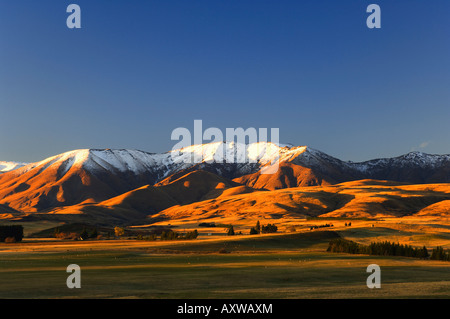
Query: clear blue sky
[136,70]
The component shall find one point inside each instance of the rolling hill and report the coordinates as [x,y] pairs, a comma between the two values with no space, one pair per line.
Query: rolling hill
[142,182]
[144,201]
[364,199]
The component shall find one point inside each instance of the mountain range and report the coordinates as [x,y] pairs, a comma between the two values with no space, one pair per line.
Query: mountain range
[108,178]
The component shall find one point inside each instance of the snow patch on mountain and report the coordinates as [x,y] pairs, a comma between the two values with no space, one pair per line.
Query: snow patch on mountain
[10,166]
[412,159]
[244,159]
[248,157]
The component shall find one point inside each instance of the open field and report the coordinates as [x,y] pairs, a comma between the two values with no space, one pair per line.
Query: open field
[285,265]
[262,275]
[292,263]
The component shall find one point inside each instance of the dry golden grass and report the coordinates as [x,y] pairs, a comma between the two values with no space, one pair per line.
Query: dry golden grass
[351,200]
[414,214]
[410,214]
[287,175]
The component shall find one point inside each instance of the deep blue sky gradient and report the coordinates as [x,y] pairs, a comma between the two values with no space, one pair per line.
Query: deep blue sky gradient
[139,69]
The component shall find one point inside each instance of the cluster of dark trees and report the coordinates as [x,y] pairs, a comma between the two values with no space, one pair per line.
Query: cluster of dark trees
[84,235]
[150,237]
[207,224]
[439,254]
[340,245]
[395,249]
[93,233]
[231,232]
[321,226]
[258,229]
[13,233]
[172,235]
[191,235]
[269,228]
[385,248]
[169,235]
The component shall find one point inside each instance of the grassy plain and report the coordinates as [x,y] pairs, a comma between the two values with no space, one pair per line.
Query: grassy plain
[284,265]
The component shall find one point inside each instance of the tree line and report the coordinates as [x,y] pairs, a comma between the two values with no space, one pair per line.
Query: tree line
[264,229]
[83,235]
[322,226]
[386,248]
[120,232]
[170,235]
[257,229]
[439,254]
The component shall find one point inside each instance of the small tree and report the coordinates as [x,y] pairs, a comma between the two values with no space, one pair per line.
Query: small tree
[230,231]
[258,227]
[119,231]
[253,231]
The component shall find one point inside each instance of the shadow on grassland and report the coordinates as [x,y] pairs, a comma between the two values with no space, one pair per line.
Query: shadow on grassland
[258,243]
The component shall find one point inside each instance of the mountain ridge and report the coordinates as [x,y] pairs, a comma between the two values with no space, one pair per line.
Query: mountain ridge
[95,175]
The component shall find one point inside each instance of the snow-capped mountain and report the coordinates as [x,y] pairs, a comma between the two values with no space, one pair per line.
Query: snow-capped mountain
[414,167]
[244,159]
[93,175]
[413,159]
